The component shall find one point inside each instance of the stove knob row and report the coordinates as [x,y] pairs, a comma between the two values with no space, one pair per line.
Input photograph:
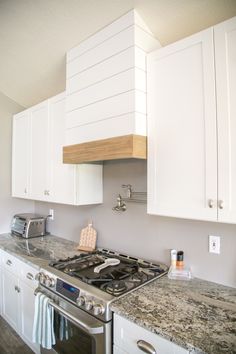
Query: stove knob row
[98,309]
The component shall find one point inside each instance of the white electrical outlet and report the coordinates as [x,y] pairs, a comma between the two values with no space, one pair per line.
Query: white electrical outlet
[214,244]
[51,213]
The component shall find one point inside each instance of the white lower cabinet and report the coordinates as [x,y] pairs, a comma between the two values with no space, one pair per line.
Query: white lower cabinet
[18,287]
[131,338]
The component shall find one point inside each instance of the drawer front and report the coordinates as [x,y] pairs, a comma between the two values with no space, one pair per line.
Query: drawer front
[27,274]
[11,263]
[131,338]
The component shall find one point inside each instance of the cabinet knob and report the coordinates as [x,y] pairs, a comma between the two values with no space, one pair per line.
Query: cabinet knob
[8,262]
[17,288]
[146,347]
[211,203]
[221,204]
[29,276]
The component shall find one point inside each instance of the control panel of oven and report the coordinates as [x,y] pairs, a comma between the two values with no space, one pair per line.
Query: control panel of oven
[73,294]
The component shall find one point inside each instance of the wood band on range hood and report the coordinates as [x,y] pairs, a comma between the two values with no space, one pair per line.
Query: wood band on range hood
[121,147]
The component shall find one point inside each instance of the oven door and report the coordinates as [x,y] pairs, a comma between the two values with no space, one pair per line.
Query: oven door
[76,331]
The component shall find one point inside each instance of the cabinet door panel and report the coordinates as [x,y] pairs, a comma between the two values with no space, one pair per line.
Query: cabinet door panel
[225,58]
[182,146]
[39,151]
[10,299]
[27,314]
[20,155]
[63,175]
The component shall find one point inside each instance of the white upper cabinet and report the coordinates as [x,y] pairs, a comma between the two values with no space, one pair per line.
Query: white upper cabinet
[20,151]
[225,60]
[38,169]
[106,82]
[191,132]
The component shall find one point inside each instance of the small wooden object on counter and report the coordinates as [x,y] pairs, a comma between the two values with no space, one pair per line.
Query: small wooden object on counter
[88,237]
[121,147]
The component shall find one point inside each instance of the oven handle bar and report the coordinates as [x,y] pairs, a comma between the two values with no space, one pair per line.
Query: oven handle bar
[75,320]
[83,326]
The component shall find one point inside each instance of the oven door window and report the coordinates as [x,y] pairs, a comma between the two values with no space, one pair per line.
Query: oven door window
[70,339]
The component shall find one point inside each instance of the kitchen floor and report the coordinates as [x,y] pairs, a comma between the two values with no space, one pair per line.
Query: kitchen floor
[10,342]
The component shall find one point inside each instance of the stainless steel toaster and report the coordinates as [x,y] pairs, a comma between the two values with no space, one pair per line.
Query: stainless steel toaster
[28,225]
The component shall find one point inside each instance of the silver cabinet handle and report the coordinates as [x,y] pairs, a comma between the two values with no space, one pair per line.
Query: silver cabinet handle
[146,347]
[221,204]
[211,203]
[29,276]
[8,262]
[25,191]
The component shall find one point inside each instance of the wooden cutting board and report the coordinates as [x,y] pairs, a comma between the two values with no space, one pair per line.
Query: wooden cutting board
[88,238]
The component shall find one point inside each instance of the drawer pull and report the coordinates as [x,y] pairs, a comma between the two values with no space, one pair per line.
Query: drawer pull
[8,262]
[146,347]
[29,276]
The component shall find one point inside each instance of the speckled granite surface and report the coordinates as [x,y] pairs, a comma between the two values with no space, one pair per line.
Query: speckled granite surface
[197,315]
[38,251]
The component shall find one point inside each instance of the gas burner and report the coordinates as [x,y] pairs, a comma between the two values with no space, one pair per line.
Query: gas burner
[138,277]
[116,287]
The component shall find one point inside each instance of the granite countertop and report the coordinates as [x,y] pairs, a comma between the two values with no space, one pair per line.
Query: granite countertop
[38,251]
[197,315]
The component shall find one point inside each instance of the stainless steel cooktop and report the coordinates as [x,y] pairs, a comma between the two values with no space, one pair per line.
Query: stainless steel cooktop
[91,282]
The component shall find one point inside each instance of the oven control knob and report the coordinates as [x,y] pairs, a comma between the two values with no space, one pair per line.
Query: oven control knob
[49,282]
[89,305]
[40,277]
[81,300]
[98,309]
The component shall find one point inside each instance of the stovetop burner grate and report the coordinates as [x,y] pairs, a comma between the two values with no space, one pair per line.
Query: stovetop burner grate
[116,280]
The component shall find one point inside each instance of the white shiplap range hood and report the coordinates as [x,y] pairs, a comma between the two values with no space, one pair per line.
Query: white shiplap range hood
[106,93]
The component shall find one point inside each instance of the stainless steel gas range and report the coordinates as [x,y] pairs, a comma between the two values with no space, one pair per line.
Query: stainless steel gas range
[81,290]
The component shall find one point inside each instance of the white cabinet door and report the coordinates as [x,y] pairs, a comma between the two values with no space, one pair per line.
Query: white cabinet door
[63,175]
[20,154]
[182,137]
[39,161]
[131,338]
[27,299]
[10,299]
[225,60]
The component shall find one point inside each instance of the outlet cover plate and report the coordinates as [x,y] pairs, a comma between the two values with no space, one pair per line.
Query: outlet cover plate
[214,244]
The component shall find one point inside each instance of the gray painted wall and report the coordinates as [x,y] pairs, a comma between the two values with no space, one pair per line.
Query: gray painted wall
[8,205]
[151,237]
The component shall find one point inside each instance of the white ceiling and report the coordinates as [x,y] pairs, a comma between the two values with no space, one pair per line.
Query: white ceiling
[35,35]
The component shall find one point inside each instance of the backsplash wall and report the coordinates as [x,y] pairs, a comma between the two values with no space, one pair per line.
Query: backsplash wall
[151,237]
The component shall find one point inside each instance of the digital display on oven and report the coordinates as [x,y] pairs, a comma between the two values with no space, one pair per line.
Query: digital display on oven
[68,287]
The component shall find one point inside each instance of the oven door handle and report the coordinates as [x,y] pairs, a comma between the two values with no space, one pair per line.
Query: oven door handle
[82,325]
